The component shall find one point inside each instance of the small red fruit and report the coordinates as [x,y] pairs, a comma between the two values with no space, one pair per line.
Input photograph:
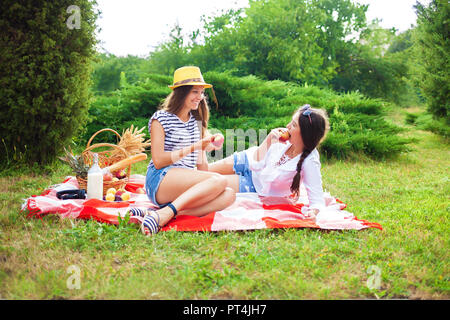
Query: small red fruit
[121,174]
[107,177]
[218,141]
[285,136]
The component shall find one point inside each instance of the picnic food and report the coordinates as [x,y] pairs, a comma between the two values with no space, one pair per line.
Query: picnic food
[218,140]
[126,196]
[120,174]
[110,197]
[95,181]
[76,163]
[111,190]
[131,143]
[285,136]
[107,177]
[118,166]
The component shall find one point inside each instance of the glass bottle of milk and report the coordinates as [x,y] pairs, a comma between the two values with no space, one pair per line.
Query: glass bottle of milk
[95,181]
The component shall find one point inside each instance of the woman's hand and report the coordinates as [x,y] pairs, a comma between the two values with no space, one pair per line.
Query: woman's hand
[216,142]
[275,135]
[203,143]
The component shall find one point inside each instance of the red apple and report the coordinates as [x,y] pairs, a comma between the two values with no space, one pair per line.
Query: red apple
[121,174]
[285,136]
[218,141]
[120,192]
[107,177]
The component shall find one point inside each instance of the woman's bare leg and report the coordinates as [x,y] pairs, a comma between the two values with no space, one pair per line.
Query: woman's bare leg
[188,189]
[224,166]
[225,199]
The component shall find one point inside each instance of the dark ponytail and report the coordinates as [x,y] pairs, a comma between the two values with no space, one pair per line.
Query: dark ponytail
[313,128]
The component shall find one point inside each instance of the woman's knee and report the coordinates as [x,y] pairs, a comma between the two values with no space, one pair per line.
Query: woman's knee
[230,195]
[218,181]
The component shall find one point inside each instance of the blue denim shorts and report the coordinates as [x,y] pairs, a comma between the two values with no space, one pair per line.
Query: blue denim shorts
[153,180]
[242,169]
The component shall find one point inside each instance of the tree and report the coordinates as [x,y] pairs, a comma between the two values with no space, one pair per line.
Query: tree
[432,42]
[290,40]
[107,70]
[46,49]
[369,67]
[172,54]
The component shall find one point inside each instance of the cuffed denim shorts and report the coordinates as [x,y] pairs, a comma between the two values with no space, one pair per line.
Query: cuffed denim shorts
[152,181]
[241,168]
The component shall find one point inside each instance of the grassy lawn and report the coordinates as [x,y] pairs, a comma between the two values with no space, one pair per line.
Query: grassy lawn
[408,196]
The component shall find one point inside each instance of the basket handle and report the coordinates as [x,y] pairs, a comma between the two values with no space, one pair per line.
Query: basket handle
[106,129]
[98,145]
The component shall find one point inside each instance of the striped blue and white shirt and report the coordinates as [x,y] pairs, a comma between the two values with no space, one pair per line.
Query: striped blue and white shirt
[178,134]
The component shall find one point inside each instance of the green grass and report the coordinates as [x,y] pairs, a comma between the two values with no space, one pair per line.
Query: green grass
[408,195]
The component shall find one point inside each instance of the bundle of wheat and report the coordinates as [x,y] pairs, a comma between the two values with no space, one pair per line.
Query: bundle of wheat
[133,141]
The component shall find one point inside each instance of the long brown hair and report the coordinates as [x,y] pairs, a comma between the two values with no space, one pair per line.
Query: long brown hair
[174,102]
[313,129]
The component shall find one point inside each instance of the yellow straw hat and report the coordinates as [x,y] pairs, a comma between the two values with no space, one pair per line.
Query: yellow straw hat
[188,76]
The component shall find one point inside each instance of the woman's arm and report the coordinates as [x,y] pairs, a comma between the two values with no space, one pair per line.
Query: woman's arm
[162,158]
[312,180]
[202,161]
[272,137]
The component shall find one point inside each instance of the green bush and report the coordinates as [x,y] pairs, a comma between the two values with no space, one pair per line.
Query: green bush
[357,123]
[130,105]
[45,76]
[425,121]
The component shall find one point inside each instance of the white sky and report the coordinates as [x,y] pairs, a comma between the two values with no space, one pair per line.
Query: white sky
[137,26]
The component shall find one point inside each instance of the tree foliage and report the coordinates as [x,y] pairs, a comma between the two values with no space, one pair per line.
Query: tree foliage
[45,75]
[107,69]
[432,42]
[327,43]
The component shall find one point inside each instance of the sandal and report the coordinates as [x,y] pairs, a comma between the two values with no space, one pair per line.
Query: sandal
[136,212]
[150,225]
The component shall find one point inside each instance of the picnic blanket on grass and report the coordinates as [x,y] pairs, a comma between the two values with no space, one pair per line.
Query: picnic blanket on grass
[248,212]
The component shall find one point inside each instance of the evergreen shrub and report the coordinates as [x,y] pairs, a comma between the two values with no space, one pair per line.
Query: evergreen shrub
[357,123]
[46,52]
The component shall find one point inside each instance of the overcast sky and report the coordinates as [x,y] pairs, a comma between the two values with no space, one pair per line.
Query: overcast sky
[136,26]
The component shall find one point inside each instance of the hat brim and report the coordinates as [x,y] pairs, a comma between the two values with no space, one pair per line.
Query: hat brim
[205,85]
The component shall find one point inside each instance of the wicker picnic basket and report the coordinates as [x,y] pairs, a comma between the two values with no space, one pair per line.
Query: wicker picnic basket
[108,154]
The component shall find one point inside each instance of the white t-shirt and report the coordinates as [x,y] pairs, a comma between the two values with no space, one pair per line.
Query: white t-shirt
[272,180]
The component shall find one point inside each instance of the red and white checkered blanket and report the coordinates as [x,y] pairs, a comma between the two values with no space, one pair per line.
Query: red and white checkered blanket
[249,211]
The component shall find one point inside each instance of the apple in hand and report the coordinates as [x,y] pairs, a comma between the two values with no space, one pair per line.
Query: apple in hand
[218,140]
[121,174]
[285,136]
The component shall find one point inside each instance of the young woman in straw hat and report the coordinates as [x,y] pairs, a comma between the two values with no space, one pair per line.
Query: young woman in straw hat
[177,179]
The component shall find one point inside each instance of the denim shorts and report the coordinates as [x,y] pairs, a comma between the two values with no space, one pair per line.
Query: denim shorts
[242,169]
[153,180]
